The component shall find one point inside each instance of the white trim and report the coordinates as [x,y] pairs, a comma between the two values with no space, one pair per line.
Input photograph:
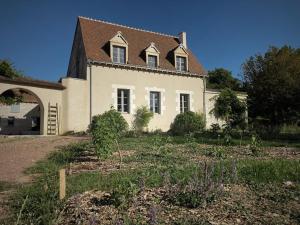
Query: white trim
[177,100]
[162,98]
[132,96]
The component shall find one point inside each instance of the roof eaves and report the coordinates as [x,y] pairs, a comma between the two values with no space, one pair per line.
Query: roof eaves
[144,68]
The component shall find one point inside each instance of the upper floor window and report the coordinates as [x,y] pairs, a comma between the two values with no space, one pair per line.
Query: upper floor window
[184,103]
[181,63]
[119,54]
[15,108]
[152,61]
[123,100]
[155,101]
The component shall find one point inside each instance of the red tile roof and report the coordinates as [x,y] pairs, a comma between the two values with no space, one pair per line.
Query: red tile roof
[96,35]
[31,82]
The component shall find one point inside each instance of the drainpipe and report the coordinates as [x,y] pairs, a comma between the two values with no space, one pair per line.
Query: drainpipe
[90,66]
[204,98]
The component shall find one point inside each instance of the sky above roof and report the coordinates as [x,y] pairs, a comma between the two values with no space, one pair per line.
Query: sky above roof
[37,35]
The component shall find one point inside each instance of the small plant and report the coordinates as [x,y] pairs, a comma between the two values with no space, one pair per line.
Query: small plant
[106,129]
[142,119]
[255,145]
[198,192]
[187,122]
[216,152]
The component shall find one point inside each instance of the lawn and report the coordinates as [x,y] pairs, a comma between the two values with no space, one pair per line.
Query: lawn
[165,180]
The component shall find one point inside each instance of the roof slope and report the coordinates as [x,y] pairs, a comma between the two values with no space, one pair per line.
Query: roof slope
[31,82]
[96,35]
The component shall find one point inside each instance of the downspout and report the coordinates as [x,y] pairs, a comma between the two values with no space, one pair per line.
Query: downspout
[90,66]
[204,98]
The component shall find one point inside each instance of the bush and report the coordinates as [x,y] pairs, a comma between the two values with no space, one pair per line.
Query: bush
[188,122]
[106,129]
[142,119]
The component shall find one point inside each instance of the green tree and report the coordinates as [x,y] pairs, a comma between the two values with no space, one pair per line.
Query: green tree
[220,78]
[7,69]
[229,108]
[142,118]
[272,81]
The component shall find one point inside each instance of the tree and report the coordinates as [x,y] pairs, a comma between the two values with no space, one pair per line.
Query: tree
[220,78]
[7,69]
[229,108]
[272,81]
[142,118]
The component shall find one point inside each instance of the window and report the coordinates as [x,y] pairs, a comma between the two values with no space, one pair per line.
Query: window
[155,101]
[15,108]
[181,63]
[123,100]
[152,61]
[11,121]
[119,54]
[184,103]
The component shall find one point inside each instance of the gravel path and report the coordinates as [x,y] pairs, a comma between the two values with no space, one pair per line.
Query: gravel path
[17,154]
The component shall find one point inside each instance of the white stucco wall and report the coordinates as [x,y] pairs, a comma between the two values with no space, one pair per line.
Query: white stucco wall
[106,80]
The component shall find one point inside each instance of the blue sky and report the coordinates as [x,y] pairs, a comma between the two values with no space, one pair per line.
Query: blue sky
[37,35]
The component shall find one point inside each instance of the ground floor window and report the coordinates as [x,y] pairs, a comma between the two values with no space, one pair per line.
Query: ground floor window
[123,100]
[155,101]
[184,103]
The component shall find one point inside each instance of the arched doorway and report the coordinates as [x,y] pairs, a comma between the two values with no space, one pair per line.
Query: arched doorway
[21,112]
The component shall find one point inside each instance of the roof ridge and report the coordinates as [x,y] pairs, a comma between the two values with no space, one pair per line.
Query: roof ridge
[133,28]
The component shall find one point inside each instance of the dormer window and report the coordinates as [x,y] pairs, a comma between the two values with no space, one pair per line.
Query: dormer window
[119,49]
[152,61]
[181,63]
[119,54]
[152,56]
[181,58]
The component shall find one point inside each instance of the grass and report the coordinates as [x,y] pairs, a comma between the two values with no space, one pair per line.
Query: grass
[159,158]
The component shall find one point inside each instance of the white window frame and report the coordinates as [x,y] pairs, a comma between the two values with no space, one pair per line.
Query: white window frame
[179,65]
[191,100]
[182,102]
[155,62]
[152,105]
[122,91]
[118,48]
[132,97]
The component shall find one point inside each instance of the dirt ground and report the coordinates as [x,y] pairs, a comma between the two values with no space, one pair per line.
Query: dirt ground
[17,154]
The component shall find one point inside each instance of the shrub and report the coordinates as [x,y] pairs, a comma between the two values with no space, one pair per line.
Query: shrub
[187,122]
[142,119]
[106,129]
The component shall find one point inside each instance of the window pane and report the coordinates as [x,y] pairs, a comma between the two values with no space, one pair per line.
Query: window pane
[155,102]
[123,100]
[152,61]
[119,54]
[184,102]
[15,108]
[180,63]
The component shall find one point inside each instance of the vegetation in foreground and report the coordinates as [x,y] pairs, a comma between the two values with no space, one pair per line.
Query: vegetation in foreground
[164,180]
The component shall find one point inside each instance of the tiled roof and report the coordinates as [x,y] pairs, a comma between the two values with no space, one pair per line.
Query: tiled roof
[31,82]
[96,35]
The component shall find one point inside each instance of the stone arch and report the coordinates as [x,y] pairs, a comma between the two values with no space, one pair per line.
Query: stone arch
[40,104]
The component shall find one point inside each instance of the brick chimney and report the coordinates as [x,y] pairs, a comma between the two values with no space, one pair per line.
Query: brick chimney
[182,38]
